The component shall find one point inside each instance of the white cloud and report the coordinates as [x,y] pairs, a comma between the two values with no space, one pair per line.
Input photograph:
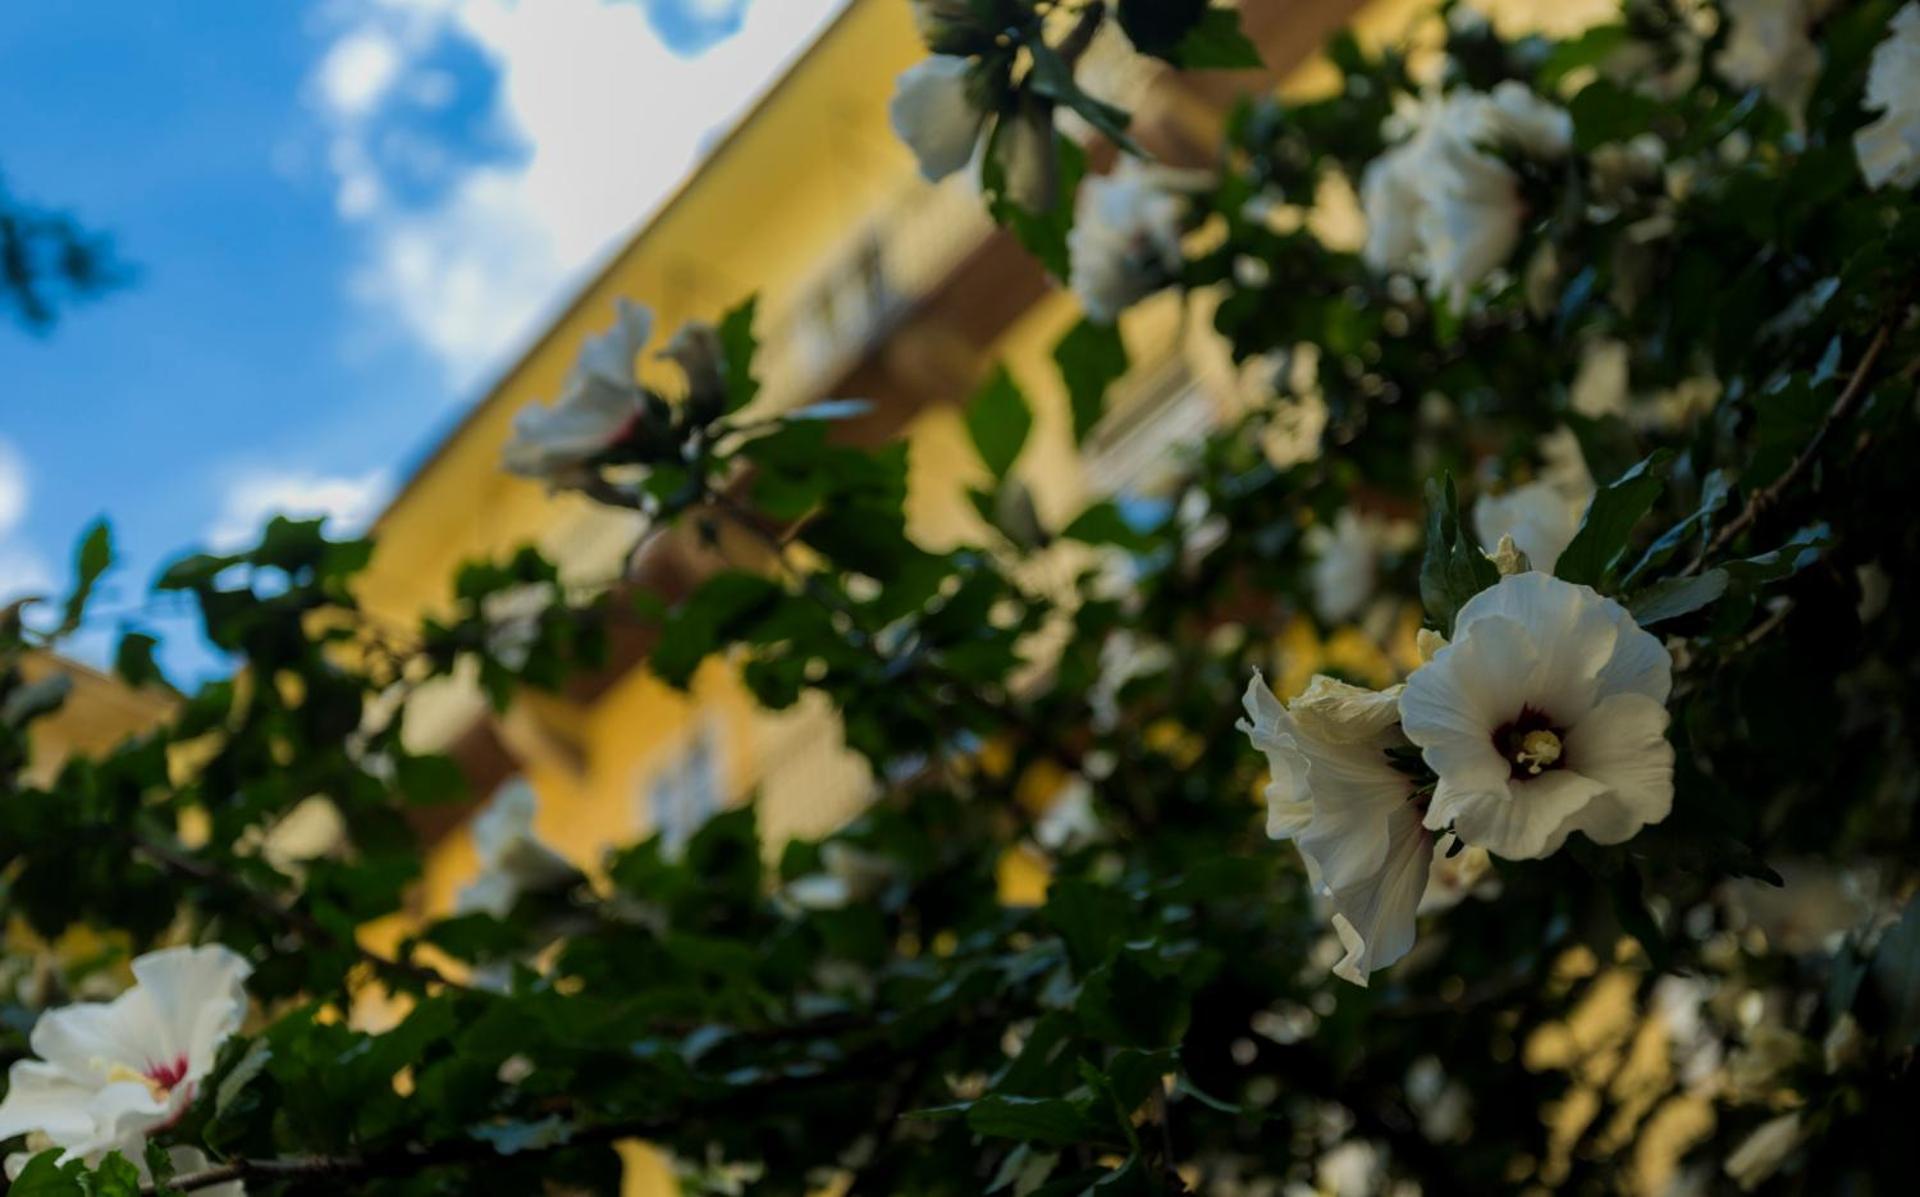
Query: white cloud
[349,503]
[357,71]
[13,488]
[611,121]
[23,570]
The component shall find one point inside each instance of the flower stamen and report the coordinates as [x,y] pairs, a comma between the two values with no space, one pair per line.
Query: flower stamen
[1538,750]
[1532,744]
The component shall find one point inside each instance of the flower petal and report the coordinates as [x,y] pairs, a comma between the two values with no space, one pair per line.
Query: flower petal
[1375,918]
[1531,822]
[198,997]
[1622,744]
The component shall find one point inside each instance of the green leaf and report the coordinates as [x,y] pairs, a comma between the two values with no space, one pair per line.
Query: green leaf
[45,1176]
[1801,550]
[1608,525]
[1102,524]
[1091,919]
[724,605]
[1159,27]
[35,700]
[1671,598]
[1630,907]
[1217,44]
[739,344]
[160,1168]
[1091,357]
[133,660]
[117,1176]
[429,779]
[91,559]
[1031,1119]
[1896,969]
[1043,234]
[999,420]
[1454,568]
[235,1083]
[1128,1003]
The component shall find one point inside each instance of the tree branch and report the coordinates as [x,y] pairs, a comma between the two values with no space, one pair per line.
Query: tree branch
[1843,408]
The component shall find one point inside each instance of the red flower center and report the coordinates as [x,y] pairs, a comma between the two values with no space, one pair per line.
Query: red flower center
[168,1073]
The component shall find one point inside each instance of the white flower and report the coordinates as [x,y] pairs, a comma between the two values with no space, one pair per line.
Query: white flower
[110,1074]
[1768,47]
[848,875]
[1537,516]
[1125,242]
[1350,1169]
[313,829]
[1070,822]
[1761,1153]
[1337,793]
[1441,1103]
[1600,388]
[934,112]
[1439,204]
[1541,516]
[1123,658]
[597,407]
[1517,117]
[1889,147]
[1346,563]
[513,860]
[1457,875]
[513,622]
[1546,715]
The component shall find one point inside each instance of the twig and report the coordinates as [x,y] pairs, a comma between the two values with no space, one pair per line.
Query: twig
[1843,408]
[401,1161]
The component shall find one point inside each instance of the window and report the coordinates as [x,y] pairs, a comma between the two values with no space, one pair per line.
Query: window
[686,792]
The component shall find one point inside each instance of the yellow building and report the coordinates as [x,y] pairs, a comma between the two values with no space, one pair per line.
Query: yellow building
[872,284]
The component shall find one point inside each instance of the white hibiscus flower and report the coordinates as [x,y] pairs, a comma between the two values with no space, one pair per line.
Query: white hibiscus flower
[1350,807]
[111,1074]
[1346,560]
[1601,388]
[1768,47]
[1125,242]
[1541,516]
[598,406]
[1546,715]
[1440,205]
[847,875]
[1889,147]
[513,860]
[935,112]
[513,620]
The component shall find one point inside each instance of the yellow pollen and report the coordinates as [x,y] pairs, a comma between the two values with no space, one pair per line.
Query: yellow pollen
[1538,750]
[120,1072]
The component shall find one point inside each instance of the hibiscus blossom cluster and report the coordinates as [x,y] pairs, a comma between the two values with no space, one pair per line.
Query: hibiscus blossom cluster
[1544,716]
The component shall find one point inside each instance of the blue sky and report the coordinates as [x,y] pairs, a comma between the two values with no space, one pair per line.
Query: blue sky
[345,217]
